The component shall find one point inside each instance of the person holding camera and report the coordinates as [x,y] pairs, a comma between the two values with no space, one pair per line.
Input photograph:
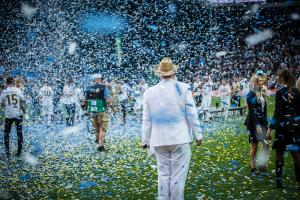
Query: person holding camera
[286,123]
[257,122]
[97,98]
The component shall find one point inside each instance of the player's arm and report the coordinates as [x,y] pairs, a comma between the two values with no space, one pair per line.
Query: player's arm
[22,101]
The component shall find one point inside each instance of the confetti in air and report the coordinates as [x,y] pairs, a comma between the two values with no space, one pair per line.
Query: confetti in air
[72,43]
[221,53]
[260,37]
[71,130]
[27,10]
[295,16]
[72,48]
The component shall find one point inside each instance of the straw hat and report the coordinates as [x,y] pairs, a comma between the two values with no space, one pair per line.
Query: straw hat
[165,67]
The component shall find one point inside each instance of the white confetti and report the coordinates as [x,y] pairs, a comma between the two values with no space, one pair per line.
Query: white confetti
[221,53]
[259,37]
[27,10]
[31,159]
[261,158]
[71,130]
[69,186]
[295,16]
[72,48]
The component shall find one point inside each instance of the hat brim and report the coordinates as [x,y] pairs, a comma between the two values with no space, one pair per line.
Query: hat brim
[169,73]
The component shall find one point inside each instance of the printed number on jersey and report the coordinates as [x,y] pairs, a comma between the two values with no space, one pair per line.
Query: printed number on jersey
[12,99]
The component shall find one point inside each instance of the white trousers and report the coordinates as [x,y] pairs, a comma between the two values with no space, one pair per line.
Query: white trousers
[172,168]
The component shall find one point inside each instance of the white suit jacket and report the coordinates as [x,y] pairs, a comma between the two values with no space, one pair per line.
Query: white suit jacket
[169,114]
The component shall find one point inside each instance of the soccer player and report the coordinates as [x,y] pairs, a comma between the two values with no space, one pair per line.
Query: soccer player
[11,99]
[224,92]
[124,98]
[235,93]
[206,97]
[46,101]
[97,98]
[68,101]
[78,99]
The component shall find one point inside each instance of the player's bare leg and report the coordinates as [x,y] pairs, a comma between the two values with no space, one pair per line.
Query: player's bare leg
[101,138]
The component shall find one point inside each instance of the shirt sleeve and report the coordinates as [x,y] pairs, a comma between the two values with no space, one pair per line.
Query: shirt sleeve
[192,115]
[147,123]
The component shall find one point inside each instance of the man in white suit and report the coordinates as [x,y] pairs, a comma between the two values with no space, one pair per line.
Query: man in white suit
[169,118]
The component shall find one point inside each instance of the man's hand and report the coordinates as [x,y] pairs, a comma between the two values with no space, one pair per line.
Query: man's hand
[198,142]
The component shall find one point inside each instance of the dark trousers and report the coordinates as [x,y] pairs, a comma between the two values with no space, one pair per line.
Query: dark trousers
[70,108]
[280,162]
[7,128]
[235,101]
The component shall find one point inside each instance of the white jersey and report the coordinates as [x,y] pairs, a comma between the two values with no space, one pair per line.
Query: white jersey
[46,95]
[68,95]
[196,85]
[246,87]
[11,98]
[124,92]
[78,95]
[207,89]
[224,91]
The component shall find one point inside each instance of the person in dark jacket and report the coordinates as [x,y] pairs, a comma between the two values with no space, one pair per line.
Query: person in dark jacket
[257,123]
[286,123]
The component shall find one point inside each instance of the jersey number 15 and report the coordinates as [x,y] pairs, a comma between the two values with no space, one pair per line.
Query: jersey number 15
[12,99]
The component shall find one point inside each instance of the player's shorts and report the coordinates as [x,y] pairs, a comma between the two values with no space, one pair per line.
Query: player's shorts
[225,102]
[47,110]
[100,121]
[206,101]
